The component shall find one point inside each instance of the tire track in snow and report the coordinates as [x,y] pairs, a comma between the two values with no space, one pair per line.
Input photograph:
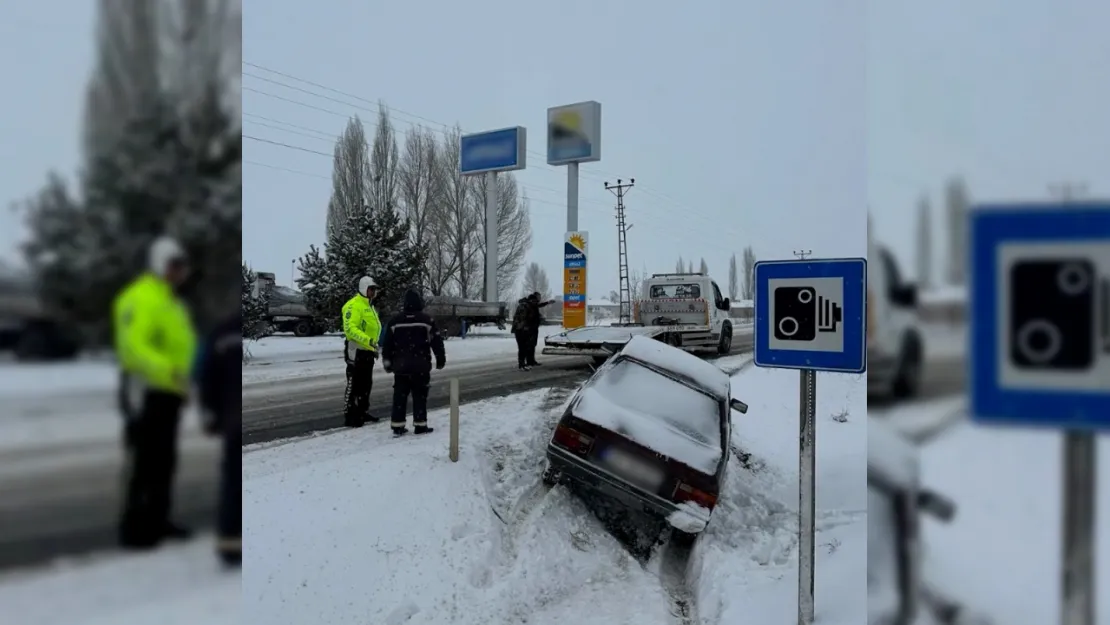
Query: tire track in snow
[673,561]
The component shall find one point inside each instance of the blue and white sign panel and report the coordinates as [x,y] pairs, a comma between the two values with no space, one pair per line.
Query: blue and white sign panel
[496,150]
[811,314]
[1040,315]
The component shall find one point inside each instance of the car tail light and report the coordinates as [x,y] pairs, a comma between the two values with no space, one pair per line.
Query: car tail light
[685,492]
[569,438]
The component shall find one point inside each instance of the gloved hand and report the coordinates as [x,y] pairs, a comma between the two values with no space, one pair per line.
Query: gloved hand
[211,425]
[387,364]
[441,364]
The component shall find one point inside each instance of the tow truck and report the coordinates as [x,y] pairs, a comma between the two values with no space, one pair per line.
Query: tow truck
[685,310]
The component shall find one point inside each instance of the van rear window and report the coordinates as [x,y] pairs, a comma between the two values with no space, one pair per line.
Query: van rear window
[675,291]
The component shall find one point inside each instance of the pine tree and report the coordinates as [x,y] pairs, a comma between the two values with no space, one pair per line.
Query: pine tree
[372,242]
[255,307]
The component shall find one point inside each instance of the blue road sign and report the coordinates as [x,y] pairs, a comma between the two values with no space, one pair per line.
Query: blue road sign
[1039,310]
[496,150]
[811,314]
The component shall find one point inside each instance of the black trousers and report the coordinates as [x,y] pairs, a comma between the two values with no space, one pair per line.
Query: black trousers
[533,339]
[415,384]
[522,343]
[230,519]
[150,442]
[360,382]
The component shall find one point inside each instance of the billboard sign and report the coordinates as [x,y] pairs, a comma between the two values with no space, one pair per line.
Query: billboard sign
[496,150]
[574,279]
[574,133]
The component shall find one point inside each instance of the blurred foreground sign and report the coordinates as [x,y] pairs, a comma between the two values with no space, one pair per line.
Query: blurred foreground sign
[1039,340]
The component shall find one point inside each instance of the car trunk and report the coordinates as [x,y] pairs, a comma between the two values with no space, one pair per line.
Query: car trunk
[636,464]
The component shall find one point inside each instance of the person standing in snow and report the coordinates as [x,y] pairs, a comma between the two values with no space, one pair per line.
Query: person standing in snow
[361,327]
[521,333]
[219,378]
[155,345]
[409,341]
[534,321]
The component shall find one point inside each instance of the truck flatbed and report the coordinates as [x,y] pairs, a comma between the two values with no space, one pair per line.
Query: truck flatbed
[601,341]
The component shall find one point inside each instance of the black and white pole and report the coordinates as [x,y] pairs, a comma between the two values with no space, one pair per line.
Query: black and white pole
[807,493]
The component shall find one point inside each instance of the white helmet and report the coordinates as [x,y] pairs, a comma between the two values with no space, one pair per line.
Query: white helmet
[365,283]
[164,252]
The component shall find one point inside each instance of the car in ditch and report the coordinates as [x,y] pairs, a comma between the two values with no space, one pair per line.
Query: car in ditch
[650,430]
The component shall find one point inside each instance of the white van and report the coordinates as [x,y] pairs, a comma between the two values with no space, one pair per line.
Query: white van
[895,347]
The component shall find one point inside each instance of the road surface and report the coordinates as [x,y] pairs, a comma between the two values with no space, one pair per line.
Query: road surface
[58,501]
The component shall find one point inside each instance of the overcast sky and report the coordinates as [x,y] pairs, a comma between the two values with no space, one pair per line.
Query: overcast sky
[1010,93]
[742,123]
[47,56]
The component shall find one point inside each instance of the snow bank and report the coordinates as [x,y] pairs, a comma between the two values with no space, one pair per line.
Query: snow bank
[358,527]
[1004,541]
[656,412]
[744,566]
[177,585]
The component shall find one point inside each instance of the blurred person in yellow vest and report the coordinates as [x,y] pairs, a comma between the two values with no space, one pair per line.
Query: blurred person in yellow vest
[362,328]
[155,345]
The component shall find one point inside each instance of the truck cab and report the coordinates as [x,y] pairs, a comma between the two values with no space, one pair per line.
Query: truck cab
[895,346]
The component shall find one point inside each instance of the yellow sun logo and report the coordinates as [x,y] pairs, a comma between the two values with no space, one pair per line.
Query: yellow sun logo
[578,241]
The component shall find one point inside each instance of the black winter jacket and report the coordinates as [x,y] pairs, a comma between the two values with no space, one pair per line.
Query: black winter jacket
[220,374]
[410,339]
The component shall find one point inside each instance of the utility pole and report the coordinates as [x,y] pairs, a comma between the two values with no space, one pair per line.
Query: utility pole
[624,285]
[803,253]
[1067,191]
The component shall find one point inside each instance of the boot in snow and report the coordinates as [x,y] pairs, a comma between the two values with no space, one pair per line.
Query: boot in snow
[399,432]
[423,429]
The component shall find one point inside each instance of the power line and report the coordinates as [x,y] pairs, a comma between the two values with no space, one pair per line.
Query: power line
[286,145]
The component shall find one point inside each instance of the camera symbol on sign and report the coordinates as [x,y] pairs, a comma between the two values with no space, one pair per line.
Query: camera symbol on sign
[1053,304]
[800,313]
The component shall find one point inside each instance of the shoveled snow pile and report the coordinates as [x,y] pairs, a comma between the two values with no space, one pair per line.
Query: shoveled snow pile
[690,517]
[655,411]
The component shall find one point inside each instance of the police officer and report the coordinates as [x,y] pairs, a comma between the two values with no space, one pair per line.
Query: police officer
[409,340]
[155,344]
[362,327]
[220,381]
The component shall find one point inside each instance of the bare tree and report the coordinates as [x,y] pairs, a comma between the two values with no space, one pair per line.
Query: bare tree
[421,184]
[924,243]
[956,203]
[460,225]
[635,281]
[514,228]
[704,268]
[748,266]
[733,279]
[680,266]
[350,175]
[384,162]
[535,281]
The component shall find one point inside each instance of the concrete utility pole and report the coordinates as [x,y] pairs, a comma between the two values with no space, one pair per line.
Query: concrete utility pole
[624,284]
[803,253]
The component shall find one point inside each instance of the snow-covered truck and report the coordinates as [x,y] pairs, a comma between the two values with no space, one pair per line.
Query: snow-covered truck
[685,310]
[287,310]
[453,313]
[27,328]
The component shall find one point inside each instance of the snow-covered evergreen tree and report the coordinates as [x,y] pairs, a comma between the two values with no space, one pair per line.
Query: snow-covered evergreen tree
[254,305]
[372,242]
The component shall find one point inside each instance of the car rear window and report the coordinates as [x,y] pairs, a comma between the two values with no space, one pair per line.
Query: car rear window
[657,397]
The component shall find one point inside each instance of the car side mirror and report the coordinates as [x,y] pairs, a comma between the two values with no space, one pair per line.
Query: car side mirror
[738,406]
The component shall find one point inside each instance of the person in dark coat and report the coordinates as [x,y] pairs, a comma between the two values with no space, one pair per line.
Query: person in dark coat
[409,341]
[521,333]
[534,321]
[220,381]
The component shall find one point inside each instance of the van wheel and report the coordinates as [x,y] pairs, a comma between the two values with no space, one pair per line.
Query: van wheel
[725,344]
[907,383]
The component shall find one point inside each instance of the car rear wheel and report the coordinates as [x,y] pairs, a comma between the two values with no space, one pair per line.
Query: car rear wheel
[550,477]
[683,539]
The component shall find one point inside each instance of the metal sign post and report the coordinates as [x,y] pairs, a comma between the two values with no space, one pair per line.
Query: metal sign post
[1040,352]
[488,153]
[810,315]
[807,494]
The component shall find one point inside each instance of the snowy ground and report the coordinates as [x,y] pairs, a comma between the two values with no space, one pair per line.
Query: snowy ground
[180,585]
[355,526]
[1004,541]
